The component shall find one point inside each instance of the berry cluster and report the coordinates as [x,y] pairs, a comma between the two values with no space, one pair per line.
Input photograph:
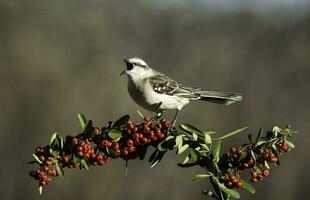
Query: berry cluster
[232,181]
[96,147]
[254,158]
[46,171]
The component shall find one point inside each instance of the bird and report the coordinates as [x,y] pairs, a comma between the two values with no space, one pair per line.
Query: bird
[157,92]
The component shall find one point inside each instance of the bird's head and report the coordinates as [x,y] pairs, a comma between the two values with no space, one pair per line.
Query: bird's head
[136,68]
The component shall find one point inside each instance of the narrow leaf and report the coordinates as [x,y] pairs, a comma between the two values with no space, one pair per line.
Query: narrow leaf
[59,170]
[191,129]
[53,138]
[259,135]
[84,164]
[231,133]
[121,121]
[195,136]
[248,186]
[153,156]
[200,177]
[37,159]
[40,189]
[83,120]
[181,149]
[290,144]
[217,150]
[75,159]
[115,134]
[232,192]
[208,139]
[178,140]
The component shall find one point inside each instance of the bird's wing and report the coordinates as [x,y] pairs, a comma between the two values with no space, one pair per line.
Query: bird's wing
[162,84]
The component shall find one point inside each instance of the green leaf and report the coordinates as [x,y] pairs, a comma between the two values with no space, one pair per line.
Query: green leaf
[84,164]
[158,158]
[290,144]
[232,192]
[248,186]
[231,133]
[60,142]
[83,120]
[276,130]
[194,155]
[115,134]
[259,135]
[89,126]
[191,129]
[217,150]
[40,189]
[181,149]
[266,165]
[185,160]
[195,136]
[209,132]
[142,153]
[199,177]
[153,156]
[140,114]
[166,144]
[59,170]
[75,159]
[178,140]
[121,121]
[37,159]
[208,139]
[250,138]
[53,138]
[253,155]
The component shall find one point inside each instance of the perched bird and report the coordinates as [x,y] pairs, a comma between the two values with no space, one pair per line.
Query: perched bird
[155,91]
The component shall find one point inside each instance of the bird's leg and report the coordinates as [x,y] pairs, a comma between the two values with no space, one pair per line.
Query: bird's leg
[174,120]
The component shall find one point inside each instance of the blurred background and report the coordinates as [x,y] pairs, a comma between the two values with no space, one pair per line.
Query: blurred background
[60,58]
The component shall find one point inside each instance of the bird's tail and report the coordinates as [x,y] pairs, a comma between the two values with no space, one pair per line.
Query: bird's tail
[219,97]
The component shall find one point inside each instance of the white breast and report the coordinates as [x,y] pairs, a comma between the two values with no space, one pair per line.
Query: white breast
[144,95]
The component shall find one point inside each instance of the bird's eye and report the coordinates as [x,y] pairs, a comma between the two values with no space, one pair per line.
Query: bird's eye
[129,66]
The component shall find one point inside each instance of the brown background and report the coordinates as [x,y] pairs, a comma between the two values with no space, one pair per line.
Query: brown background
[58,58]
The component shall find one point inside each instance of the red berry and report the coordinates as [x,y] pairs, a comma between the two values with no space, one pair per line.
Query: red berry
[167,124]
[229,184]
[265,172]
[245,165]
[81,142]
[254,180]
[79,154]
[239,184]
[86,156]
[117,152]
[162,121]
[74,141]
[254,174]
[124,152]
[38,150]
[43,183]
[97,131]
[42,158]
[233,150]
[79,149]
[232,178]
[129,142]
[45,168]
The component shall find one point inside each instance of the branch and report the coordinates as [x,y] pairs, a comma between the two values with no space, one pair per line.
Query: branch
[127,140]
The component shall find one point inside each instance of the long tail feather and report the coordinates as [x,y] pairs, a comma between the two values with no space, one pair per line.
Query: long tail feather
[220,97]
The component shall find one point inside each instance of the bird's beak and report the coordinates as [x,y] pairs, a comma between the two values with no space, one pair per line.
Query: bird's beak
[124,71]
